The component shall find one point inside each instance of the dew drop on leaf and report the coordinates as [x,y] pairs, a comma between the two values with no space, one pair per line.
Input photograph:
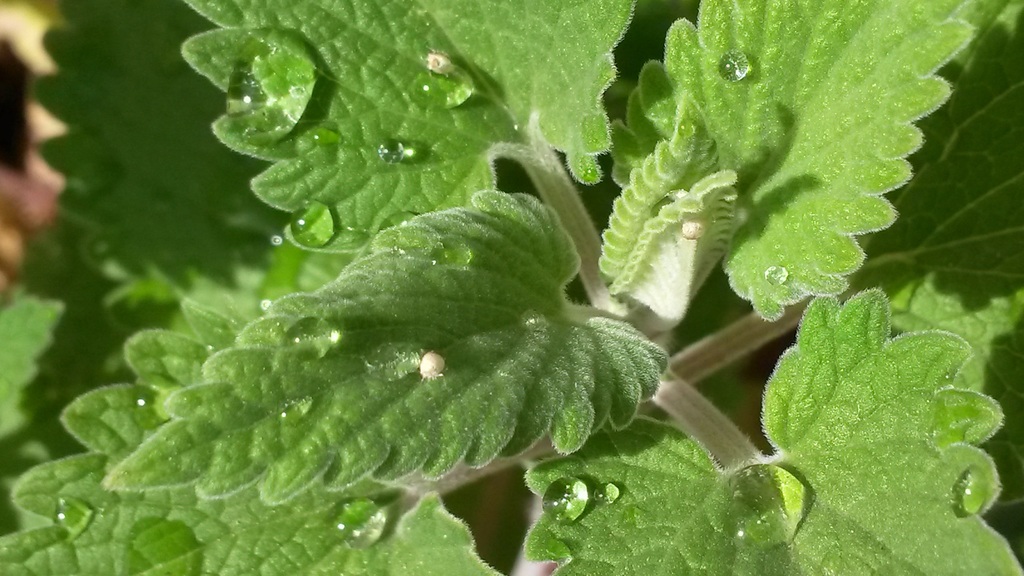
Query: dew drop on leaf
[324,136]
[270,85]
[74,515]
[314,332]
[395,151]
[360,522]
[392,362]
[608,493]
[776,275]
[149,413]
[161,546]
[455,254]
[432,89]
[553,548]
[733,66]
[313,226]
[973,492]
[265,305]
[298,409]
[566,499]
[770,503]
[276,240]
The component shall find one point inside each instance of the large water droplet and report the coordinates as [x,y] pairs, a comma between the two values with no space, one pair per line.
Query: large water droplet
[974,491]
[324,136]
[964,416]
[395,151]
[74,515]
[317,333]
[770,503]
[313,226]
[271,85]
[608,493]
[733,66]
[432,89]
[454,254]
[566,499]
[776,275]
[361,522]
[161,546]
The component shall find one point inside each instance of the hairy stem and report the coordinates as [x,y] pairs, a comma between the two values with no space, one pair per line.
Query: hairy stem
[707,356]
[706,424]
[547,172]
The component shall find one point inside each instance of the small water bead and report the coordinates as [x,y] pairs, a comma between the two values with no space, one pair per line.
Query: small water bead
[265,305]
[454,254]
[566,499]
[314,225]
[442,83]
[324,136]
[733,66]
[431,365]
[552,548]
[770,503]
[608,493]
[361,522]
[394,152]
[276,240]
[316,333]
[776,275]
[298,409]
[74,515]
[974,491]
[270,85]
[161,546]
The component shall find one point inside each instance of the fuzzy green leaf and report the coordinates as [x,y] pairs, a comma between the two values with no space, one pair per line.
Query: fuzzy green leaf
[340,97]
[339,381]
[953,261]
[173,532]
[810,102]
[26,327]
[864,481]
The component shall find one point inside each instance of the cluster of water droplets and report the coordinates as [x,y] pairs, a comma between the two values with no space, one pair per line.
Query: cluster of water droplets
[566,500]
[270,85]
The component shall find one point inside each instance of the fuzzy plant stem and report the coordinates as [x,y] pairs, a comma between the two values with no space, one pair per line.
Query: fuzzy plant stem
[706,424]
[707,356]
[548,174]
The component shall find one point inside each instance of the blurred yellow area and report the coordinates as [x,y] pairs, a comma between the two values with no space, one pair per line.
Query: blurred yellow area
[28,187]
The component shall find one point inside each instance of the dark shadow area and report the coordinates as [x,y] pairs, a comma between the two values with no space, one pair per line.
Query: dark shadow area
[1004,381]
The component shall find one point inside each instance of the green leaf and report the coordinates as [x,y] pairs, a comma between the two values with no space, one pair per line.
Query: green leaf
[811,104]
[370,132]
[173,532]
[160,197]
[862,483]
[26,327]
[953,261]
[346,380]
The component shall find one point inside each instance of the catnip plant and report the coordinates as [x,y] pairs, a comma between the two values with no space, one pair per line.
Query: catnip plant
[429,245]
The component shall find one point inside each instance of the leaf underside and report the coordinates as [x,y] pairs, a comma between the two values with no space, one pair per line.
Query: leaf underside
[871,483]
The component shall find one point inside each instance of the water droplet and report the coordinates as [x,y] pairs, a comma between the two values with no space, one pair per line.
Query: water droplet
[431,365]
[392,362]
[692,229]
[74,515]
[265,305]
[324,136]
[276,240]
[443,90]
[397,219]
[315,332]
[608,493]
[361,522]
[566,499]
[454,254]
[552,548]
[313,226]
[770,504]
[270,85]
[298,409]
[973,491]
[160,546]
[964,416]
[532,320]
[394,151]
[733,66]
[776,275]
